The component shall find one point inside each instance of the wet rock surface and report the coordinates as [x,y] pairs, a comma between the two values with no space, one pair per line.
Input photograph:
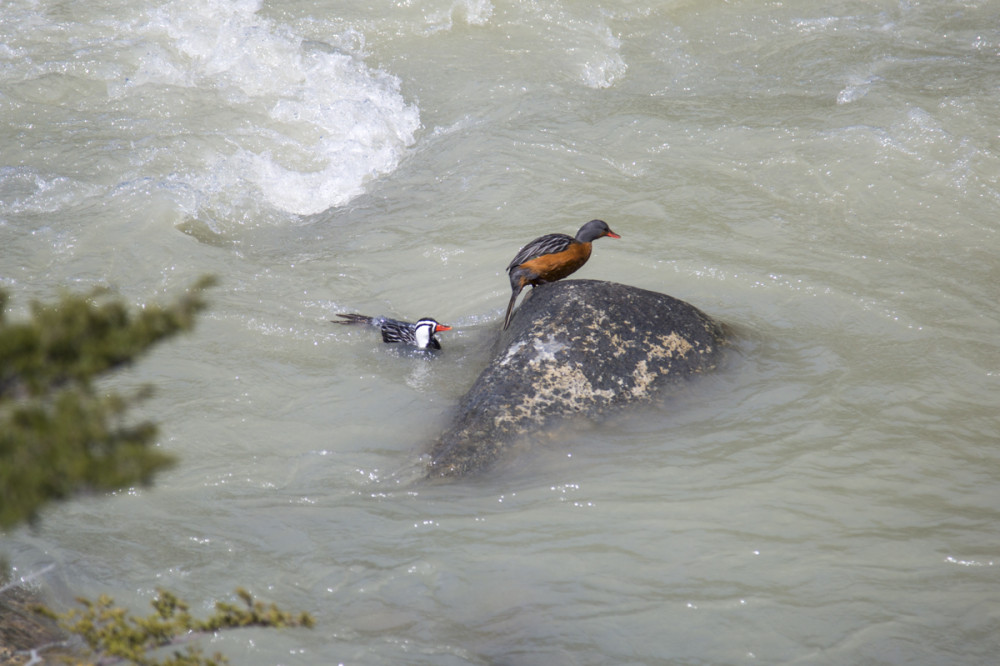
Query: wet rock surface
[22,631]
[575,347]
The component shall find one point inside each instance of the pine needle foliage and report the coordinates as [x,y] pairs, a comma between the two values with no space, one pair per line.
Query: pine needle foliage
[60,436]
[113,634]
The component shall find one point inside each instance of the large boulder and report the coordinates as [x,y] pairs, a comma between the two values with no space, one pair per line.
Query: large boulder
[574,347]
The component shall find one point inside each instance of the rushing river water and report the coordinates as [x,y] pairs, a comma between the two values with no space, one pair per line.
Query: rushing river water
[823,177]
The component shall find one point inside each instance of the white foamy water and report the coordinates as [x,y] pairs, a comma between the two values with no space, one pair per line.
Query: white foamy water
[823,178]
[223,113]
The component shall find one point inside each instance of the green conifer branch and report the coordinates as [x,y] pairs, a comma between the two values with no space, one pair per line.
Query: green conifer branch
[80,337]
[58,436]
[113,634]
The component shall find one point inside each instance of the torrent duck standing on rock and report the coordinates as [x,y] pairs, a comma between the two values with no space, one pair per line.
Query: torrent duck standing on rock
[552,257]
[419,335]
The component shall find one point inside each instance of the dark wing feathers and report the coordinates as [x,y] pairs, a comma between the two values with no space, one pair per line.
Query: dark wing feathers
[396,331]
[548,244]
[392,329]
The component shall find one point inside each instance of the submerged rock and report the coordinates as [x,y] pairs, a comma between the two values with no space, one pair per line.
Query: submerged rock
[574,347]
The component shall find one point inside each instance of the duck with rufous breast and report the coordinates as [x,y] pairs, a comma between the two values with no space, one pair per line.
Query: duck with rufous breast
[552,257]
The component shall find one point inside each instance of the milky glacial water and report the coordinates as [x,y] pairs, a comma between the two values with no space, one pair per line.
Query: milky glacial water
[822,177]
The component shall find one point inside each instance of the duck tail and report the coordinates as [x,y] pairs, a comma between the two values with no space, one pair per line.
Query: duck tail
[510,308]
[353,319]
